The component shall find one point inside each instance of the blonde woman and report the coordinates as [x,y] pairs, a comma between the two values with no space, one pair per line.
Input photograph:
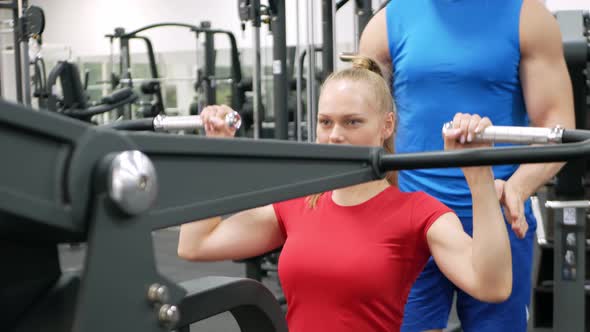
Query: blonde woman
[351,255]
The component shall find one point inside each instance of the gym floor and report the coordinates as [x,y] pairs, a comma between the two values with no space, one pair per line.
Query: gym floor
[168,263]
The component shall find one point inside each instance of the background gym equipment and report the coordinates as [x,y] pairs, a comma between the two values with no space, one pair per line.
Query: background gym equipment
[561,291]
[205,77]
[274,15]
[28,21]
[73,100]
[111,189]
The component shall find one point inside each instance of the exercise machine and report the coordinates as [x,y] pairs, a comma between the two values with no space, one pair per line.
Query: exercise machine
[205,77]
[73,100]
[111,189]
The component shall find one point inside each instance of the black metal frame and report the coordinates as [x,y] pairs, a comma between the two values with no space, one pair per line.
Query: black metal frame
[364,12]
[327,38]
[567,289]
[280,78]
[73,101]
[209,81]
[577,54]
[252,11]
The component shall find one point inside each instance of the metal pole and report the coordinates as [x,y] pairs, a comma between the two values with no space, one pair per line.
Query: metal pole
[26,73]
[197,58]
[209,64]
[124,67]
[310,86]
[334,43]
[356,30]
[363,12]
[17,52]
[256,79]
[111,62]
[298,69]
[1,64]
[25,62]
[279,69]
[327,38]
[124,58]
[199,100]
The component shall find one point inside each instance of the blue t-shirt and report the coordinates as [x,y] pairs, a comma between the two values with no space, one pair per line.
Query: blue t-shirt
[452,56]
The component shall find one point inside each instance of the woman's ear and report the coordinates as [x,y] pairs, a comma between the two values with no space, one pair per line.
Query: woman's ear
[389,125]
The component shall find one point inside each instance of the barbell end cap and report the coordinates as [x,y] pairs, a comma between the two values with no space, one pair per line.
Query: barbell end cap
[233,120]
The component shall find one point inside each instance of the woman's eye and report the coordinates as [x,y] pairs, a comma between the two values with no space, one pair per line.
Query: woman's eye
[325,122]
[354,122]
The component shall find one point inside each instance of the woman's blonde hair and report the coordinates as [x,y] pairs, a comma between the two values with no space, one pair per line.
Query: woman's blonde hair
[366,70]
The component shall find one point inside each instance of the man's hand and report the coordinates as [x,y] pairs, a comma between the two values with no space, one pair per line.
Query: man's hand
[513,204]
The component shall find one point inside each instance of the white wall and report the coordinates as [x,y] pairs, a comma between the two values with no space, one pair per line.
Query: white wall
[555,5]
[83,24]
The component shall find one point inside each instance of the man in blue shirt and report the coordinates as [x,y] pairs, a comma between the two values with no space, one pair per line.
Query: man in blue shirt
[502,59]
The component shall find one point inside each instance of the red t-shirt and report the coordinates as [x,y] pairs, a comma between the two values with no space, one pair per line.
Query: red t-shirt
[350,268]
